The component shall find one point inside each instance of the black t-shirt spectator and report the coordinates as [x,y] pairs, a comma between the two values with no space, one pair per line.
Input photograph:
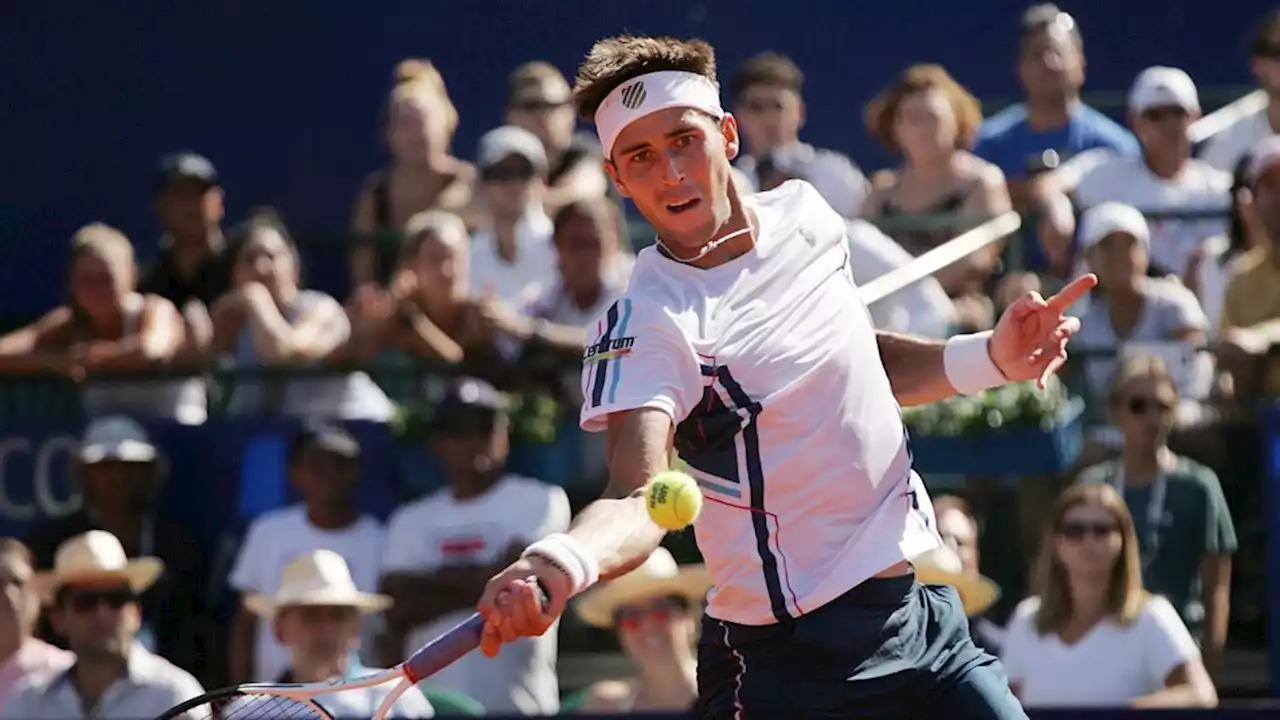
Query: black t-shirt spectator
[211,279]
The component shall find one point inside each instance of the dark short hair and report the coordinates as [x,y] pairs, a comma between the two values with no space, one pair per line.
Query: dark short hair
[769,69]
[1039,18]
[533,73]
[1260,42]
[615,60]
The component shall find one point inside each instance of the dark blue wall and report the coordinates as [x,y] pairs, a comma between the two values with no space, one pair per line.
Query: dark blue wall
[284,95]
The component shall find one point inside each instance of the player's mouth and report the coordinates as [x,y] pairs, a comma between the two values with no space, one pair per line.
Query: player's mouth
[682,207]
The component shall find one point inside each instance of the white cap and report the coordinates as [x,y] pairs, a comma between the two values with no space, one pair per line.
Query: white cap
[1106,218]
[116,437]
[1264,154]
[501,143]
[1163,87]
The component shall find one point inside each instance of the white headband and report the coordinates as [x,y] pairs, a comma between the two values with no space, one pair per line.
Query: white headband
[650,93]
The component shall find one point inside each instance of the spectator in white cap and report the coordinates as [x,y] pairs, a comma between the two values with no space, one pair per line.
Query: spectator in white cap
[1129,306]
[92,593]
[1164,179]
[120,473]
[654,611]
[316,614]
[1251,310]
[512,252]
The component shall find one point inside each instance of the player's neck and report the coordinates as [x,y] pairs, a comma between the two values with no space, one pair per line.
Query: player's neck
[741,224]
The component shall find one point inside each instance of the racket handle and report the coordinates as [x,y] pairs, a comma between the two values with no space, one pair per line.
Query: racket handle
[451,646]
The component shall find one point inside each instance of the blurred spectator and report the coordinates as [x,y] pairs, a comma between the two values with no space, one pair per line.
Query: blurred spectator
[269,320]
[92,593]
[315,612]
[1052,124]
[193,269]
[423,174]
[1251,310]
[958,529]
[120,473]
[21,653]
[769,105]
[1185,534]
[512,254]
[1163,103]
[1226,148]
[442,549]
[538,100]
[1228,253]
[931,120]
[324,468]
[104,326]
[1129,307]
[654,609]
[1091,636]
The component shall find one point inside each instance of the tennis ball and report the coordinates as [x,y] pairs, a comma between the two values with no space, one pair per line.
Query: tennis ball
[673,500]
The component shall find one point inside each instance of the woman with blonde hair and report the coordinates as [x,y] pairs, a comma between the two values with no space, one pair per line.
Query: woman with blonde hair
[423,175]
[104,326]
[930,120]
[1092,636]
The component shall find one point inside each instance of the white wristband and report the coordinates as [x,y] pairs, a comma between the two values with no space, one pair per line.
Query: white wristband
[966,359]
[569,556]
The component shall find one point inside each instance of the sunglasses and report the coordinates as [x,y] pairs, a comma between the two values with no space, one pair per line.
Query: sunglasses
[87,601]
[1161,114]
[759,106]
[538,105]
[1140,405]
[631,617]
[1079,530]
[498,175]
[1268,52]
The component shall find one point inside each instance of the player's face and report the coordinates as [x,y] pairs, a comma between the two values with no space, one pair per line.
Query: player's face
[1164,129]
[925,126]
[769,116]
[674,165]
[1143,409]
[1051,63]
[651,630]
[1118,260]
[1089,542]
[319,637]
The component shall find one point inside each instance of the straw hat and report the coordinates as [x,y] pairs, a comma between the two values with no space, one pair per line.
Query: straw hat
[941,566]
[657,577]
[320,577]
[92,557]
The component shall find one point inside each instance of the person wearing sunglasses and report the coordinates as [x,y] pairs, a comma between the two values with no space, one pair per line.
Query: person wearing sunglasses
[1185,533]
[653,610]
[1091,635]
[92,597]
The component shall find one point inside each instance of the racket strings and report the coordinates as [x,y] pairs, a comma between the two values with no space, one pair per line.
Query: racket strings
[257,707]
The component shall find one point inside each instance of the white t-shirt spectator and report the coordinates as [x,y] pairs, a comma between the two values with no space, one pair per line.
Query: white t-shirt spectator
[1105,176]
[1224,150]
[921,308]
[535,263]
[275,538]
[1108,667]
[440,530]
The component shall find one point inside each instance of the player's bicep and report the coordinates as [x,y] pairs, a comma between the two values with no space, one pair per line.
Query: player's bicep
[637,446]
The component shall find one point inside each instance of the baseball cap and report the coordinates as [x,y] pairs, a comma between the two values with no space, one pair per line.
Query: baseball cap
[501,143]
[185,165]
[1264,155]
[1163,87]
[326,436]
[1106,218]
[116,437]
[468,405]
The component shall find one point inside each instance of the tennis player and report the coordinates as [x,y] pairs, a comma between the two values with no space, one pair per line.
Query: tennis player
[742,338]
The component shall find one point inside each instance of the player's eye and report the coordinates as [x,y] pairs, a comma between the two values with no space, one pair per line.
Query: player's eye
[642,157]
[683,141]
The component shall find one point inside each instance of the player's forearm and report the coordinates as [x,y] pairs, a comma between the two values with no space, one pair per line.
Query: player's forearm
[915,368]
[619,533]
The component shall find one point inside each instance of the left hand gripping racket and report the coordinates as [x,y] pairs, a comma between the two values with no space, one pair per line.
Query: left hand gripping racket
[267,701]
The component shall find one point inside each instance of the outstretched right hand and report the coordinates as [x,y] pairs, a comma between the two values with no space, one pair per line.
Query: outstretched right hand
[512,602]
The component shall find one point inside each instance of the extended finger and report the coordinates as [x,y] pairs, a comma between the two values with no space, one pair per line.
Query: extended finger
[1054,365]
[1076,289]
[490,642]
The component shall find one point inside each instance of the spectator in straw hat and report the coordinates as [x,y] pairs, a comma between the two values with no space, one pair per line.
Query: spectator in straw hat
[654,610]
[92,594]
[316,613]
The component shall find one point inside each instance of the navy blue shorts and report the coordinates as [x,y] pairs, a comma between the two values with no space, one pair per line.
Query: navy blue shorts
[889,648]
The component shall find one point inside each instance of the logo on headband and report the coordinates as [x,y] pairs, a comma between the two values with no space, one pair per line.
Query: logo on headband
[633,96]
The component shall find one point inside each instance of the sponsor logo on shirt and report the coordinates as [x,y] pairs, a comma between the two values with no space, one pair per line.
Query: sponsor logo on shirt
[608,349]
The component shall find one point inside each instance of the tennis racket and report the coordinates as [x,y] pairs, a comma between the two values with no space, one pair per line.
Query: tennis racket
[266,701]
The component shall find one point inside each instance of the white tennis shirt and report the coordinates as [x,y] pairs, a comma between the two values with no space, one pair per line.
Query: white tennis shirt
[769,366]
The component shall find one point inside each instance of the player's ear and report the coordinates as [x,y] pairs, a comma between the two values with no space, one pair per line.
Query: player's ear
[732,139]
[612,171]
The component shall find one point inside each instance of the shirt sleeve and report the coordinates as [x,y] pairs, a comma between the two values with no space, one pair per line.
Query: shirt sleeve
[1017,651]
[1166,643]
[1220,529]
[1091,174]
[246,573]
[1184,311]
[636,358]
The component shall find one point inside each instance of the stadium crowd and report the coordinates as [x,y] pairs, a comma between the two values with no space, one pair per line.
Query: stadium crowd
[496,265]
